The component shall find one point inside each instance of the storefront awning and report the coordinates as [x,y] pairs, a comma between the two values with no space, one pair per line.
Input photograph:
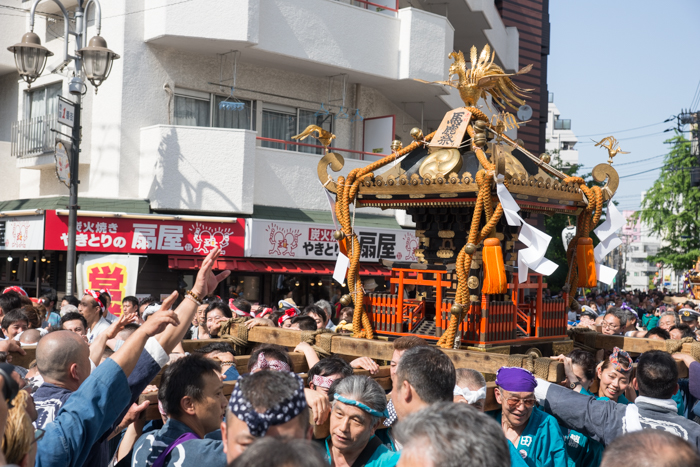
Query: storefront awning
[253,265]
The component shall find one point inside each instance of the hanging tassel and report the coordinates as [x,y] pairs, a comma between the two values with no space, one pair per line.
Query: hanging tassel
[586,263]
[494,269]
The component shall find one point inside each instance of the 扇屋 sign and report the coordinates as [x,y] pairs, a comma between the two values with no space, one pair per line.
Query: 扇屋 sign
[310,241]
[145,236]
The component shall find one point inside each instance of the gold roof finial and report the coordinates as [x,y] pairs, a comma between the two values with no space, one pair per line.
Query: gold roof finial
[483,77]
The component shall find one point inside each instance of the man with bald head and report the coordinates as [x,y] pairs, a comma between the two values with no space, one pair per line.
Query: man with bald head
[63,360]
[30,336]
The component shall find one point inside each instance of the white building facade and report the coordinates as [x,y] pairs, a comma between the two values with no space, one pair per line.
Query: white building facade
[559,135]
[155,139]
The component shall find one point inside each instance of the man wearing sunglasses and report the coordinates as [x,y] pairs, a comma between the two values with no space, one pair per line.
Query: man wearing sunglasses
[535,435]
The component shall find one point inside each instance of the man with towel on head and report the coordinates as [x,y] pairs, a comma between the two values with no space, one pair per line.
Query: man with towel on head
[534,434]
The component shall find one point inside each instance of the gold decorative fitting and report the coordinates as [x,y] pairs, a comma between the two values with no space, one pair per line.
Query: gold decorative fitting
[346,300]
[446,233]
[473,282]
[396,145]
[445,254]
[417,134]
[546,158]
[339,235]
[474,298]
[456,309]
[469,248]
[322,136]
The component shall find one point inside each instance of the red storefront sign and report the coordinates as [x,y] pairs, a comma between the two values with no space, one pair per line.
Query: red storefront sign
[144,236]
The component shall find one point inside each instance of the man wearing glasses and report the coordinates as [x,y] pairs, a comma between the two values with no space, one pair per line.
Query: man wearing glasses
[534,434]
[614,322]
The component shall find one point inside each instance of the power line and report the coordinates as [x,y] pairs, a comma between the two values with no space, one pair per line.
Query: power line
[629,163]
[626,139]
[622,131]
[694,102]
[639,173]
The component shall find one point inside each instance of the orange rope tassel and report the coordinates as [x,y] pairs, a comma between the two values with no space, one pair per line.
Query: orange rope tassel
[586,263]
[494,269]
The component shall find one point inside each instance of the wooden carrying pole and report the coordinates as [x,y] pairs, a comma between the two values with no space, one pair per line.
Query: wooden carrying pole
[382,350]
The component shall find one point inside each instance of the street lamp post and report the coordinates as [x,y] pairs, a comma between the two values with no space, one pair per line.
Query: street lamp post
[93,62]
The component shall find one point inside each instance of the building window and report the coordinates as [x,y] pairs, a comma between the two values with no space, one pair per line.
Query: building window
[567,145]
[226,118]
[190,111]
[43,101]
[281,123]
[196,108]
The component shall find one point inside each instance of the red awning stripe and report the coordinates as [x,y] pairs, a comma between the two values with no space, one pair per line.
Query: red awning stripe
[255,265]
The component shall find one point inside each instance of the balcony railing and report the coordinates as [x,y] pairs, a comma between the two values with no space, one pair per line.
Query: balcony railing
[376,5]
[33,137]
[562,124]
[349,153]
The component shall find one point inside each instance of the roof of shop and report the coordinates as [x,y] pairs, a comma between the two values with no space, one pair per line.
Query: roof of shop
[135,206]
[323,217]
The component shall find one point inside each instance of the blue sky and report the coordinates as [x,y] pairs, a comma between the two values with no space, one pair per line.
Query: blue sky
[616,65]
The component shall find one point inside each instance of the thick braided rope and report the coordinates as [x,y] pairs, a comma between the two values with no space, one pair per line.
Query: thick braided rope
[346,193]
[583,228]
[464,259]
[240,340]
[322,350]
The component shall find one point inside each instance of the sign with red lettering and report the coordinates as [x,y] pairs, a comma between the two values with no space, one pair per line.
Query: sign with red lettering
[118,235]
[115,274]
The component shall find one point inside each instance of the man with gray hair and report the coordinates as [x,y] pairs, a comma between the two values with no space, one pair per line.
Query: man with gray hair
[328,308]
[470,388]
[668,319]
[359,404]
[451,435]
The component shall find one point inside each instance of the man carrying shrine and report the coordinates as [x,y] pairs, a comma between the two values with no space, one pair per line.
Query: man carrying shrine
[534,434]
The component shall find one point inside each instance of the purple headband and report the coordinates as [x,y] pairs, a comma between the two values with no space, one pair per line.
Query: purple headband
[626,307]
[515,379]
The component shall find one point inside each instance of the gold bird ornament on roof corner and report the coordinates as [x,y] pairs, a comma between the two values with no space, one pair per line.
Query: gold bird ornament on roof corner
[611,144]
[323,136]
[484,77]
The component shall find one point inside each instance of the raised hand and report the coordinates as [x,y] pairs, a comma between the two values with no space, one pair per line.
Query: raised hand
[120,323]
[207,281]
[158,321]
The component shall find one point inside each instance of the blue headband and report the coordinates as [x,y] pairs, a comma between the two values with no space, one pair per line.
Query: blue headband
[360,405]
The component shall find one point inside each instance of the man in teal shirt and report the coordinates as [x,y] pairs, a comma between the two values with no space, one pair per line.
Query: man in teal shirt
[534,434]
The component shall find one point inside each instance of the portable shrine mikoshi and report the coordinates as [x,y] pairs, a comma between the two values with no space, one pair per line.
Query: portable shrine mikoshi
[463,186]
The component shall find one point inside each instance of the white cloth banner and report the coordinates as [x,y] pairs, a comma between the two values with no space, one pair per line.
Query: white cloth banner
[608,242]
[536,240]
[116,273]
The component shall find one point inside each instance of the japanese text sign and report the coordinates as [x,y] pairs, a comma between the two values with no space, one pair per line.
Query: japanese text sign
[116,273]
[451,131]
[66,112]
[301,240]
[119,235]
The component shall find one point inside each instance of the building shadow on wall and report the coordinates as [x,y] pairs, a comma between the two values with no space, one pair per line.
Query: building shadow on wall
[172,170]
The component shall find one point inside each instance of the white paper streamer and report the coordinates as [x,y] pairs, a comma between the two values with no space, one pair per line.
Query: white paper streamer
[608,242]
[536,241]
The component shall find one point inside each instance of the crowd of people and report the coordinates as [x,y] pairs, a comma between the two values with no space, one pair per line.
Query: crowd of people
[78,404]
